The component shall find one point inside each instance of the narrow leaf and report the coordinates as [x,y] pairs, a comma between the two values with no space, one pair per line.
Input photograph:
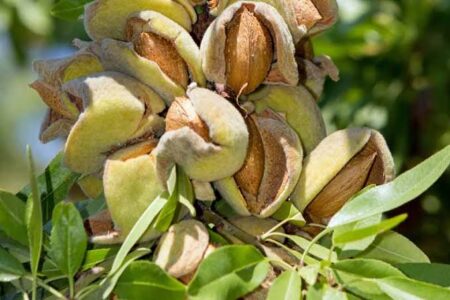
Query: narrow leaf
[138,230]
[358,234]
[289,212]
[310,273]
[361,244]
[68,239]
[392,247]
[330,293]
[229,272]
[144,278]
[368,268]
[95,256]
[12,217]
[54,185]
[10,267]
[110,281]
[185,191]
[33,220]
[165,217]
[69,10]
[287,286]
[316,249]
[401,190]
[432,273]
[407,289]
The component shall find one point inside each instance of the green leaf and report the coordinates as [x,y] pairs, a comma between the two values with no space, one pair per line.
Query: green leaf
[401,190]
[33,220]
[224,209]
[216,239]
[314,293]
[69,10]
[404,288]
[432,273]
[10,267]
[109,283]
[359,234]
[18,250]
[90,207]
[368,268]
[143,278]
[287,286]
[289,212]
[392,248]
[96,256]
[54,185]
[361,286]
[361,244]
[185,191]
[50,269]
[68,239]
[12,217]
[309,273]
[167,214]
[138,230]
[316,249]
[229,272]
[357,275]
[330,293]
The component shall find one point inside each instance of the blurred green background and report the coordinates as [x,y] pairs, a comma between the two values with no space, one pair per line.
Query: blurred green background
[394,59]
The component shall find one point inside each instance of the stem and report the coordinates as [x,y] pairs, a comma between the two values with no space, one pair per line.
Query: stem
[271,230]
[330,253]
[42,284]
[71,287]
[282,263]
[313,241]
[33,288]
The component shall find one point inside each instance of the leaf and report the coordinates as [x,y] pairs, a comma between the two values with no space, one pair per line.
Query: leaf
[310,273]
[10,267]
[12,217]
[392,248]
[368,268]
[289,212]
[330,293]
[68,239]
[96,256]
[138,230]
[316,249]
[432,273]
[109,283]
[358,234]
[229,273]
[69,10]
[167,214]
[90,207]
[18,250]
[144,278]
[54,185]
[404,288]
[401,190]
[287,286]
[216,239]
[185,191]
[314,293]
[224,209]
[361,244]
[33,220]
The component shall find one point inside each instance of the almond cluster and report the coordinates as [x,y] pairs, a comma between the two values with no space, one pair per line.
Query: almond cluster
[225,90]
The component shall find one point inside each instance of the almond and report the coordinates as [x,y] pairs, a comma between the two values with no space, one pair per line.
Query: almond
[248,51]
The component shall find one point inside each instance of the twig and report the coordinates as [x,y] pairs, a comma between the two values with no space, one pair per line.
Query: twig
[208,216]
